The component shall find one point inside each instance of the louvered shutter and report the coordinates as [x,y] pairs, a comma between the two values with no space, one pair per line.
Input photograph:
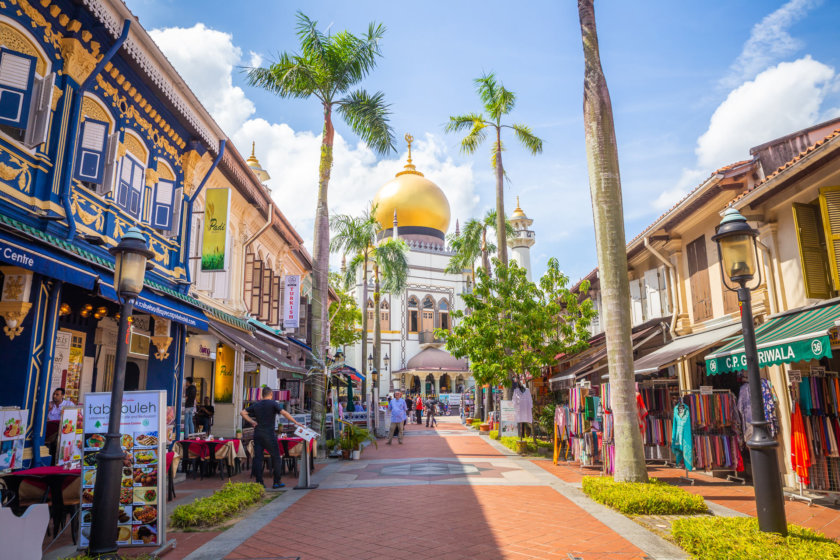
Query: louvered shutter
[653,289]
[90,151]
[162,205]
[17,75]
[248,284]
[637,305]
[124,183]
[256,290]
[137,184]
[111,164]
[816,270]
[177,208]
[276,297]
[698,271]
[265,293]
[39,111]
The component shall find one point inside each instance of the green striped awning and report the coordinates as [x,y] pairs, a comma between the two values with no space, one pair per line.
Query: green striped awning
[793,337]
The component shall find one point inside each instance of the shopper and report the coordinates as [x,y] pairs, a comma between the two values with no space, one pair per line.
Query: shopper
[418,407]
[189,406]
[409,407]
[204,416]
[262,415]
[397,408]
[431,411]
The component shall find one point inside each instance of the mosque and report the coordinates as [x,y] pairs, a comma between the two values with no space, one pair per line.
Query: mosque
[413,208]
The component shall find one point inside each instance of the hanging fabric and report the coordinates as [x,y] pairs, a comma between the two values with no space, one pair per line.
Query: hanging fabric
[681,442]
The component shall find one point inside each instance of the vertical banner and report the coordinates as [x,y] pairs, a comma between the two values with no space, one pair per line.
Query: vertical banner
[214,246]
[61,359]
[291,302]
[224,374]
[507,419]
[141,516]
[70,436]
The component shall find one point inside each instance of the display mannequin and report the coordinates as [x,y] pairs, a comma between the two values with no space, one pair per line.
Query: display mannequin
[522,407]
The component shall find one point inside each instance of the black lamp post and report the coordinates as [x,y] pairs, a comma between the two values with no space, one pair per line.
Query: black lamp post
[387,361]
[131,256]
[738,255]
[370,361]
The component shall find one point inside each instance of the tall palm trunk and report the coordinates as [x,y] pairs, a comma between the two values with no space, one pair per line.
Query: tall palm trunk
[607,209]
[365,326]
[485,257]
[377,324]
[501,230]
[320,269]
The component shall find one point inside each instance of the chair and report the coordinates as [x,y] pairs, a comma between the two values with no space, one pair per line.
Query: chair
[194,460]
[70,496]
[22,536]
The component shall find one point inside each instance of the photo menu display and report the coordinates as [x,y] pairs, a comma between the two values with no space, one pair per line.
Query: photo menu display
[142,519]
[12,436]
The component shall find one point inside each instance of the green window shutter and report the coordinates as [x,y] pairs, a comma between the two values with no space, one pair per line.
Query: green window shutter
[830,205]
[811,251]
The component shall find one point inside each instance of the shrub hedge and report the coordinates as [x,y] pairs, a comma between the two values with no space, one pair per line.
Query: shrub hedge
[651,498]
[723,538]
[221,506]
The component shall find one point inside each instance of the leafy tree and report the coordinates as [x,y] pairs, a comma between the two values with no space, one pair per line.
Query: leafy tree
[345,315]
[497,102]
[472,243]
[605,188]
[517,327]
[328,67]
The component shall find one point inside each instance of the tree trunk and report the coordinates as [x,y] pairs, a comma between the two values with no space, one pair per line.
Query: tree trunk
[607,209]
[485,258]
[377,323]
[365,326]
[501,230]
[488,403]
[479,406]
[320,270]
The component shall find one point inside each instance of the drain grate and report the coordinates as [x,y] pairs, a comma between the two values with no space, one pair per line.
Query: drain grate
[573,557]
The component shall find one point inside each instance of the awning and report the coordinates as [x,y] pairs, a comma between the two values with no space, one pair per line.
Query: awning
[350,372]
[792,337]
[157,304]
[681,348]
[48,262]
[261,351]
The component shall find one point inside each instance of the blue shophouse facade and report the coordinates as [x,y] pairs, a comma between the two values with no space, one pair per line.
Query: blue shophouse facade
[97,134]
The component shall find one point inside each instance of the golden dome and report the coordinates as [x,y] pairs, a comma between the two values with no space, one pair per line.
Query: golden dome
[518,213]
[417,201]
[254,164]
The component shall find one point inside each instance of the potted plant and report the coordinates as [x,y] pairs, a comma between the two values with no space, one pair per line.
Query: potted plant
[352,438]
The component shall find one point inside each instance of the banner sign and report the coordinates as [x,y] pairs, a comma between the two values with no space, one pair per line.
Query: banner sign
[507,418]
[214,246]
[291,302]
[224,374]
[780,353]
[142,514]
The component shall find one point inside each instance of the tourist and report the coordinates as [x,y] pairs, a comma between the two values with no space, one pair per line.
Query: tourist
[431,410]
[397,408]
[418,408]
[204,415]
[409,406]
[189,406]
[262,415]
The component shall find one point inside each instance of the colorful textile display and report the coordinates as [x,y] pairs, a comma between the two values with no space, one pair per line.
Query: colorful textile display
[745,408]
[800,454]
[681,442]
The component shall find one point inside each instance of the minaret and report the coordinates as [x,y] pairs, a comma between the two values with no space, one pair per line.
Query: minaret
[523,239]
[396,233]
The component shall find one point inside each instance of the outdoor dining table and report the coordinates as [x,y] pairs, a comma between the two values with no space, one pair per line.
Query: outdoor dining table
[211,446]
[54,478]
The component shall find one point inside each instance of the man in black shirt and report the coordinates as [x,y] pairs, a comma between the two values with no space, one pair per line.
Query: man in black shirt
[204,415]
[189,407]
[262,415]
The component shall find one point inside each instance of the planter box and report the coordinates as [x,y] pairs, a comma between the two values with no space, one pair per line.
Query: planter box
[484,427]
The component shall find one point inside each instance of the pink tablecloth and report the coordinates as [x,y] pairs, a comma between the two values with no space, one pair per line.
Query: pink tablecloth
[39,472]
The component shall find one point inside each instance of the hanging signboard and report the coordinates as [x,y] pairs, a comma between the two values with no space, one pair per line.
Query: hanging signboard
[142,512]
[291,302]
[12,437]
[70,436]
[795,376]
[61,359]
[507,418]
[706,389]
[214,245]
[224,374]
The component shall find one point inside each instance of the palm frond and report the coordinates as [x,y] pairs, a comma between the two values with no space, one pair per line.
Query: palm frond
[528,139]
[368,116]
[459,123]
[474,138]
[485,86]
[291,76]
[391,256]
[497,100]
[353,266]
[354,57]
[312,41]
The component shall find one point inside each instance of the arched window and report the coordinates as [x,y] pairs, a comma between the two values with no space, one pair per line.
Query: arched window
[97,145]
[443,314]
[165,213]
[413,318]
[385,315]
[370,310]
[132,177]
[427,316]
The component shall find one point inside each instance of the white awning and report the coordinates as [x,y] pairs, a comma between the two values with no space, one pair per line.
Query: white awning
[683,347]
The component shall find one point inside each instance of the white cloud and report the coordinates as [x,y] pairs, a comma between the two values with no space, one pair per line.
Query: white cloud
[206,59]
[782,99]
[769,42]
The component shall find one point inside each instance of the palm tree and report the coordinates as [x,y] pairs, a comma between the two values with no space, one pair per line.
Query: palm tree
[390,275]
[605,187]
[327,67]
[472,243]
[497,102]
[356,236]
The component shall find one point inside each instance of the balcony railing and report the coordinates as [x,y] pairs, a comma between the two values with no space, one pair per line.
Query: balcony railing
[428,337]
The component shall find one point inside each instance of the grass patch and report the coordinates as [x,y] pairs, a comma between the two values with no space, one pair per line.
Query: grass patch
[722,538]
[639,498]
[215,509]
[531,447]
[475,422]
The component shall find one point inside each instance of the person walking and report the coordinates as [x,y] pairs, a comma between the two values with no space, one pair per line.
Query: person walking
[262,415]
[397,408]
[409,407]
[418,407]
[431,411]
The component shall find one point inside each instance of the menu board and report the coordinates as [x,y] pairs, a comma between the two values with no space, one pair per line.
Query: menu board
[70,436]
[507,419]
[142,516]
[13,424]
[75,361]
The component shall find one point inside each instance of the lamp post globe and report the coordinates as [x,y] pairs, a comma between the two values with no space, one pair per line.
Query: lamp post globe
[738,255]
[130,256]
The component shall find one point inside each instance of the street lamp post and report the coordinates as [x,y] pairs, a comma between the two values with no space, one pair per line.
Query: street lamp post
[131,255]
[738,255]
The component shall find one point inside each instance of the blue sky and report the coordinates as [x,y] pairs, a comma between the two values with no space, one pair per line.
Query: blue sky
[693,86]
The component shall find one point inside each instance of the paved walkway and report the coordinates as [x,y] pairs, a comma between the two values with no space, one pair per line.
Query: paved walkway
[446,493]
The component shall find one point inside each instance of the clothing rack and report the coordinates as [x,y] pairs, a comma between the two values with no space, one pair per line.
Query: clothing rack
[714,419]
[656,396]
[584,440]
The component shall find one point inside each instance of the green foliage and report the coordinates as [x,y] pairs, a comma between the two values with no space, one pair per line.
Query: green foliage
[494,434]
[531,448]
[353,436]
[475,422]
[545,419]
[723,538]
[221,506]
[345,316]
[515,326]
[643,498]
[473,243]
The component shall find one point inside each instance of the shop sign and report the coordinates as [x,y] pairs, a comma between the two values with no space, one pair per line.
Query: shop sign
[789,352]
[225,356]
[214,245]
[13,423]
[202,346]
[142,511]
[706,389]
[291,302]
[794,376]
